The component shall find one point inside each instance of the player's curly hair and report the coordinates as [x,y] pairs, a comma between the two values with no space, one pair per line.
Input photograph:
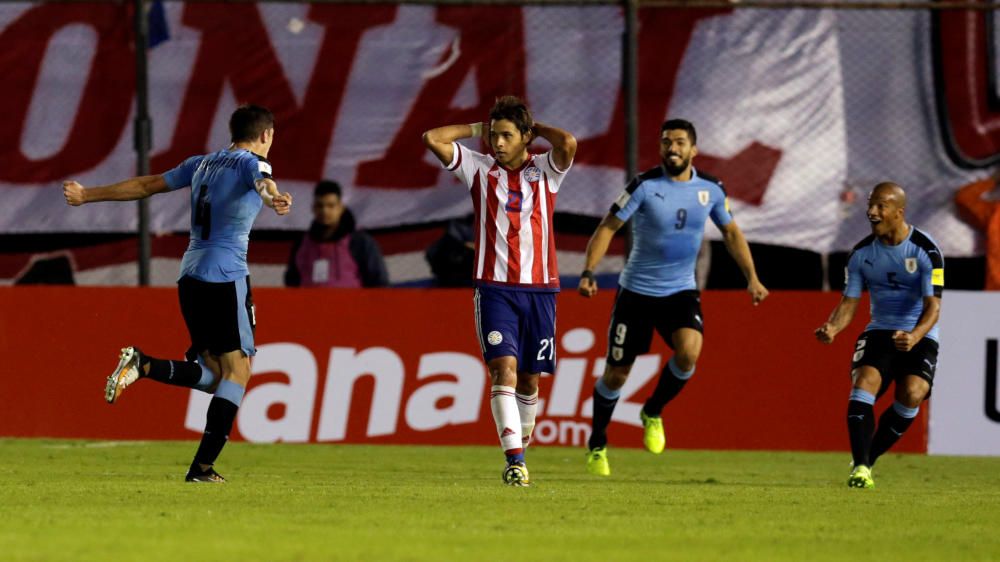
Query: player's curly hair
[513,109]
[248,122]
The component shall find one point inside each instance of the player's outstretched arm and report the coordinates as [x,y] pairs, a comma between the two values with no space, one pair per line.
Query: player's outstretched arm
[563,144]
[596,248]
[268,190]
[737,246]
[905,341]
[439,140]
[129,190]
[840,318]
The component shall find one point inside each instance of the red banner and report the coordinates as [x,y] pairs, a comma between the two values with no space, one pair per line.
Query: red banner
[403,366]
[798,135]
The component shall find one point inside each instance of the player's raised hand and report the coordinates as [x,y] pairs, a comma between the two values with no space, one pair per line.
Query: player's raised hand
[484,133]
[825,333]
[757,292]
[904,341]
[588,287]
[73,192]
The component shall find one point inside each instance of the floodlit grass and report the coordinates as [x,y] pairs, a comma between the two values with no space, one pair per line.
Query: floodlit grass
[80,500]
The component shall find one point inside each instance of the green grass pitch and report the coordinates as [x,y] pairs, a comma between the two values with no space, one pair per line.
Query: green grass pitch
[80,500]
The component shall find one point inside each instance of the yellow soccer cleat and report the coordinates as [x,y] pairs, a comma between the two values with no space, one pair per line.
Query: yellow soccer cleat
[597,462]
[652,436]
[861,477]
[516,474]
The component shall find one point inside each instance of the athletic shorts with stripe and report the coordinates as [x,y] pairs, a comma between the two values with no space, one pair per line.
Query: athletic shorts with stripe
[219,316]
[519,324]
[635,316]
[875,348]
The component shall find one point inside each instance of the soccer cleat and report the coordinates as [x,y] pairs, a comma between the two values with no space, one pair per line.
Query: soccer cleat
[125,374]
[597,462]
[652,434]
[210,476]
[516,474]
[861,477]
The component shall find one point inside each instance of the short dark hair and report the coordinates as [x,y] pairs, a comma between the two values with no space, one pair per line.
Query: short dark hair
[327,187]
[680,125]
[513,109]
[248,122]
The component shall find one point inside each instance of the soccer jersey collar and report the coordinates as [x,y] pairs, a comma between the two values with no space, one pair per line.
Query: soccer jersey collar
[901,242]
[666,175]
[259,157]
[527,162]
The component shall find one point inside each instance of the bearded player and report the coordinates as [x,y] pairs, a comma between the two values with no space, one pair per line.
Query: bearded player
[669,206]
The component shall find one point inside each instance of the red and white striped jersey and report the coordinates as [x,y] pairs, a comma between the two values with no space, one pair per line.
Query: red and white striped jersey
[515,246]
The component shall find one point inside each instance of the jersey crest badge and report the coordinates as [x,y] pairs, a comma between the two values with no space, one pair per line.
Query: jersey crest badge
[532,174]
[703,197]
[911,265]
[495,338]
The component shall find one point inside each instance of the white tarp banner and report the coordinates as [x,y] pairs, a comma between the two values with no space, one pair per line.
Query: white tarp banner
[799,112]
[965,404]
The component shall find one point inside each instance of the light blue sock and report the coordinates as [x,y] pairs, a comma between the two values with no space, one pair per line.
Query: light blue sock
[904,411]
[606,392]
[863,396]
[229,390]
[207,378]
[677,372]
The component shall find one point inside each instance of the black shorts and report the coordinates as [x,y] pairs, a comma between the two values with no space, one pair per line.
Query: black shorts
[876,349]
[635,317]
[219,316]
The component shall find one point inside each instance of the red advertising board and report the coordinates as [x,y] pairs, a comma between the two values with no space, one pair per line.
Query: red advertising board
[403,366]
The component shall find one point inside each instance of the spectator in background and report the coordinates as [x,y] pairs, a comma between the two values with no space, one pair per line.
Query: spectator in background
[333,253]
[979,204]
[452,257]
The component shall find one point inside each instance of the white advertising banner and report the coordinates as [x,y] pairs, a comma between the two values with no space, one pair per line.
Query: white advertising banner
[965,404]
[799,112]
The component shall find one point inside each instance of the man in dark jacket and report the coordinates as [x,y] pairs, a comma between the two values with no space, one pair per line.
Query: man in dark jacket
[333,253]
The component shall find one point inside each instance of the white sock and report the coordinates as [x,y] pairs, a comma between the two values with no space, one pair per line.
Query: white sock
[504,407]
[527,407]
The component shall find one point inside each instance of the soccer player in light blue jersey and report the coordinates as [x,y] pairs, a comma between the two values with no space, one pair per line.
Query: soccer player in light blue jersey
[903,270]
[669,206]
[228,188]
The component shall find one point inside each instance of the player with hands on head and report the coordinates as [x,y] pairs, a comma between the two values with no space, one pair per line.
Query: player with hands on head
[516,276]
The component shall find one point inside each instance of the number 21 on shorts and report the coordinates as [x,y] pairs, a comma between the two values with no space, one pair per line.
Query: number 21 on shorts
[547,345]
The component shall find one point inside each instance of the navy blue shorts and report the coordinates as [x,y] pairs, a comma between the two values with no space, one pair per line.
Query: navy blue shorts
[519,324]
